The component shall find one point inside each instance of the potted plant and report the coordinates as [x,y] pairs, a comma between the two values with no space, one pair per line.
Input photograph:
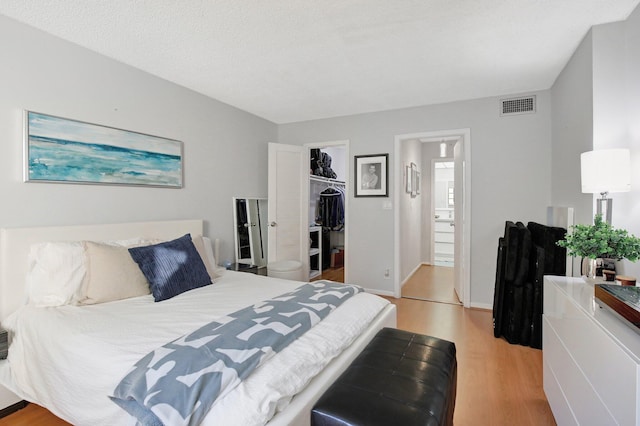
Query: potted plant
[600,241]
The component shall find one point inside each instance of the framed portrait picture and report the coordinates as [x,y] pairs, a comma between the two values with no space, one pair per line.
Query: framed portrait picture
[371,175]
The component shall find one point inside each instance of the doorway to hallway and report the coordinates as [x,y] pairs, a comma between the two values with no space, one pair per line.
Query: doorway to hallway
[415,218]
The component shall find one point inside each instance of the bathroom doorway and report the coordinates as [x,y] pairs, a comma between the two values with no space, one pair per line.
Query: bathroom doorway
[443,207]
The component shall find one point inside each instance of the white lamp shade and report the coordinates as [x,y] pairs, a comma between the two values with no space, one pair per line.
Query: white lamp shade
[606,170]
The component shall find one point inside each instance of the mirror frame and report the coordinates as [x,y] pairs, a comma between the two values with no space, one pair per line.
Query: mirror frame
[257,224]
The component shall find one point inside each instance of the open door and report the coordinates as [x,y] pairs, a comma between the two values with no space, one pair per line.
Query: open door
[459,222]
[288,187]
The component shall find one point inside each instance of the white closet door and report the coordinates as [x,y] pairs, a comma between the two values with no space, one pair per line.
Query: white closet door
[288,181]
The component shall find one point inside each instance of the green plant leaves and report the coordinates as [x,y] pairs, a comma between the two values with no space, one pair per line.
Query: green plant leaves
[601,240]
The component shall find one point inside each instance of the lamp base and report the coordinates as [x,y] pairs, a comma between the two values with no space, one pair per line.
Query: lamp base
[604,208]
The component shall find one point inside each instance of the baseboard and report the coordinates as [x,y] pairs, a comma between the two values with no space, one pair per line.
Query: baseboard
[411,273]
[13,408]
[380,292]
[483,306]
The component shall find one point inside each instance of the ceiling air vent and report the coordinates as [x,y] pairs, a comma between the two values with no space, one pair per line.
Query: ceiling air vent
[522,105]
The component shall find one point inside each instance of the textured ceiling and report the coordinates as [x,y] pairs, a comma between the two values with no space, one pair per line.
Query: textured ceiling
[294,60]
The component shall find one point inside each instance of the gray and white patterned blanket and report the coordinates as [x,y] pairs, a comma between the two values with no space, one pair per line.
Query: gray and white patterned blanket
[177,383]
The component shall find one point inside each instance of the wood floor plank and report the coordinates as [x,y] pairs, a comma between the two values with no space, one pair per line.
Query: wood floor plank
[498,383]
[433,283]
[32,415]
[332,274]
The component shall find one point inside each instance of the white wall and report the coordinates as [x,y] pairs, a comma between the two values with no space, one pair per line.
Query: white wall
[338,160]
[225,149]
[511,178]
[410,213]
[430,151]
[572,117]
[616,112]
[517,170]
[572,130]
[596,105]
[632,65]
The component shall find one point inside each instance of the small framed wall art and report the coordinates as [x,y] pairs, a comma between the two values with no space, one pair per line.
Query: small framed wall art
[414,180]
[409,179]
[371,175]
[63,150]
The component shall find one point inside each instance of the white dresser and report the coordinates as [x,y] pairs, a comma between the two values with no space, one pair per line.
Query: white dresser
[591,359]
[443,239]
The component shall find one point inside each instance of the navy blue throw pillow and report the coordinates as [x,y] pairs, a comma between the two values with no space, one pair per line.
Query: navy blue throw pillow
[172,267]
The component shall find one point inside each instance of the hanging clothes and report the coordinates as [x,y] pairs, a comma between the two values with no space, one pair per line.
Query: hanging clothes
[330,212]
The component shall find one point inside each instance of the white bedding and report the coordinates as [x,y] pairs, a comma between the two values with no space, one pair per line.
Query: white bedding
[70,358]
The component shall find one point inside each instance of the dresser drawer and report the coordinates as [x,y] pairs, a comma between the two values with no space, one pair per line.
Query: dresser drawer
[576,390]
[444,237]
[592,368]
[444,227]
[558,403]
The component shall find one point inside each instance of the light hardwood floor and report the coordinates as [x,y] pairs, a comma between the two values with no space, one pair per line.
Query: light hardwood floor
[433,283]
[333,274]
[498,383]
[32,415]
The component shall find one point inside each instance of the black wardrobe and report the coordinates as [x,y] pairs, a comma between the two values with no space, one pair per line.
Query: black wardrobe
[525,255]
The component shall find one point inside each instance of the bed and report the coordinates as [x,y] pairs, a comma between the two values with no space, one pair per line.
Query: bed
[70,358]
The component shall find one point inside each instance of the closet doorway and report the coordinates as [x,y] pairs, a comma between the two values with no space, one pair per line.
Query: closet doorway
[328,210]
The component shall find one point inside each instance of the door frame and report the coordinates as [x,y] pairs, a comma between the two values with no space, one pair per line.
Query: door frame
[347,186]
[463,220]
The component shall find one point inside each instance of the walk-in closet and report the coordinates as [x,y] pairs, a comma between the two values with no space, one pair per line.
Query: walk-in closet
[327,212]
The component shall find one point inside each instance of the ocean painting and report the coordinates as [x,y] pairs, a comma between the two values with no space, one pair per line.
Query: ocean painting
[71,151]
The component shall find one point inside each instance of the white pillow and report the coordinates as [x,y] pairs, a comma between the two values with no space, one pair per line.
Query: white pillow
[111,274]
[205,250]
[60,273]
[55,273]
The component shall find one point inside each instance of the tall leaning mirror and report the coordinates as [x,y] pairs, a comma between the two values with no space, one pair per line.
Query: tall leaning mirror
[250,226]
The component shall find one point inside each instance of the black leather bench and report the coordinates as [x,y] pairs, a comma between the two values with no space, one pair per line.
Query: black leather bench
[400,378]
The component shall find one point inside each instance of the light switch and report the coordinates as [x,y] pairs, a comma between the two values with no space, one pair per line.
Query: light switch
[386,205]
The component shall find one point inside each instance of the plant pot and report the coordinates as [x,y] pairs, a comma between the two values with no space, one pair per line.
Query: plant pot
[590,267]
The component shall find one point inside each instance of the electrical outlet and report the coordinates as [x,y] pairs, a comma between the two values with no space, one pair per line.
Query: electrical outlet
[387,275]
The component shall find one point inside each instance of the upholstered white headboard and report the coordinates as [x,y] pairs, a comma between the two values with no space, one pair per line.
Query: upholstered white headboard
[15,244]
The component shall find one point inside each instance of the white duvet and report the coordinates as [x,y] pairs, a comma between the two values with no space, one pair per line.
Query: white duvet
[70,358]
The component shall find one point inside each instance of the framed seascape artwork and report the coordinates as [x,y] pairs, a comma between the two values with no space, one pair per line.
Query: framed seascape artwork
[71,151]
[371,174]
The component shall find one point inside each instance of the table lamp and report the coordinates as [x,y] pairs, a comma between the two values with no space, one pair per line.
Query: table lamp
[605,171]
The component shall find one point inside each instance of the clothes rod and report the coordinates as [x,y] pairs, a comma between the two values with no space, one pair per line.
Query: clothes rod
[325,180]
